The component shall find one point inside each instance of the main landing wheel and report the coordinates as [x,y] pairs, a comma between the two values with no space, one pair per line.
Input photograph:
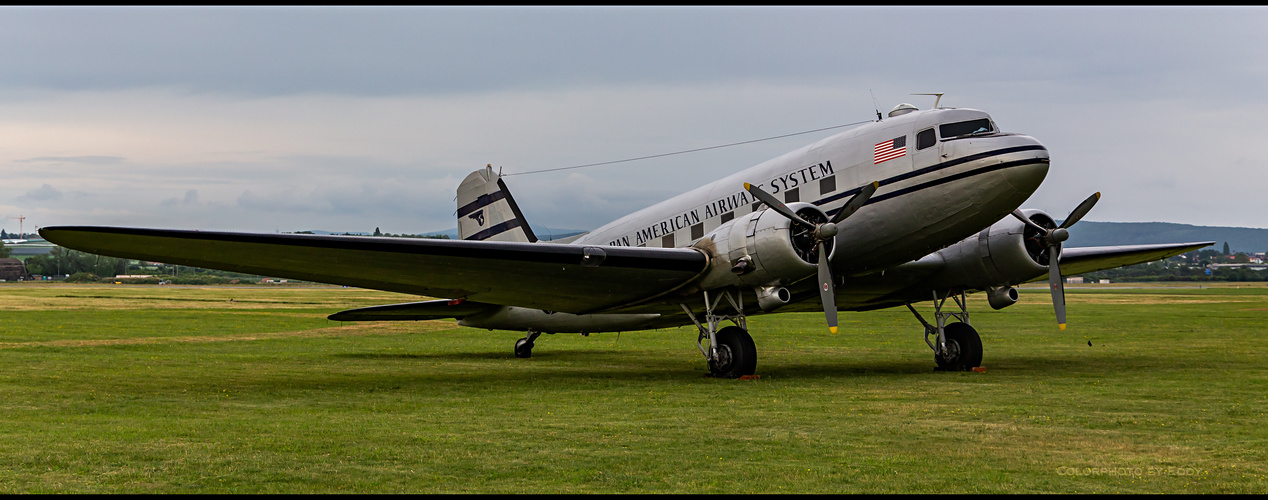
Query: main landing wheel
[737,356]
[964,349]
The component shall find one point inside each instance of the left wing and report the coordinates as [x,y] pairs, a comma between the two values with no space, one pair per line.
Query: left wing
[569,278]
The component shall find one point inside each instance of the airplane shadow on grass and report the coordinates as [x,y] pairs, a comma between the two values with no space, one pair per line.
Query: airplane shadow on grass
[627,363]
[442,373]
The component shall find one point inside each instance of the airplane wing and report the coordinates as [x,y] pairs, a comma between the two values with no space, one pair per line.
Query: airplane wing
[917,280]
[568,278]
[1089,259]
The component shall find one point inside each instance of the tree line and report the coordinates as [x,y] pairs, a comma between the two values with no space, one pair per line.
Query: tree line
[62,261]
[79,266]
[1187,267]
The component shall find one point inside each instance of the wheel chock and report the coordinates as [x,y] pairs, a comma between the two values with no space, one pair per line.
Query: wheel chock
[979,369]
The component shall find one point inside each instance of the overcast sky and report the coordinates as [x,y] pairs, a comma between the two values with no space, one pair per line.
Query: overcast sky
[347,119]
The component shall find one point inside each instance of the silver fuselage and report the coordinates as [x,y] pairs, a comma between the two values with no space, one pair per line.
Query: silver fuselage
[928,198]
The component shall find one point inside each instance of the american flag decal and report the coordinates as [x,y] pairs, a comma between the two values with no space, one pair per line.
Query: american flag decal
[889,150]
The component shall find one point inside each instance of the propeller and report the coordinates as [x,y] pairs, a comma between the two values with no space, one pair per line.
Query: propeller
[822,233]
[1052,238]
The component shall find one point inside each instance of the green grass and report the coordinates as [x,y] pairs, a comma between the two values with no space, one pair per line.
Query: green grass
[176,389]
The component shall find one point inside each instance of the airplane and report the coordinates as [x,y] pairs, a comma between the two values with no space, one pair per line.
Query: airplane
[920,205]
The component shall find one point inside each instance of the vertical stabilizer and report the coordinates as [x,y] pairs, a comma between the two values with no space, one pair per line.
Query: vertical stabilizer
[486,210]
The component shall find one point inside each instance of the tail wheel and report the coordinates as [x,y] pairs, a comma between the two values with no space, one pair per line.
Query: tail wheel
[964,349]
[737,355]
[523,348]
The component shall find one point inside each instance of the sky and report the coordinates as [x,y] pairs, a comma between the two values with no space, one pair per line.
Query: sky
[265,119]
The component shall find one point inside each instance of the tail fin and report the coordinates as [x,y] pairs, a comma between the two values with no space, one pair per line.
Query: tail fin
[486,210]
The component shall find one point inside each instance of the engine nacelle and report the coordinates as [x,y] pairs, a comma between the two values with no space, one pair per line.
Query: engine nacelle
[762,249]
[1007,253]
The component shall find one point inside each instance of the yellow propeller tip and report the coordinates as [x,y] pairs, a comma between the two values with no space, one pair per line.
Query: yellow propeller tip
[832,329]
[747,185]
[1062,326]
[876,184]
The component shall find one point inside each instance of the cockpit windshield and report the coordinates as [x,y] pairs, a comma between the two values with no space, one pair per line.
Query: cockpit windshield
[957,129]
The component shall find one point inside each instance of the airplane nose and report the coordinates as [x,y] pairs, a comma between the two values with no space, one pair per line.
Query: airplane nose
[1030,163]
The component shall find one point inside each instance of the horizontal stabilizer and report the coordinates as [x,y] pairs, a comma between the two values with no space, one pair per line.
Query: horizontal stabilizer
[414,311]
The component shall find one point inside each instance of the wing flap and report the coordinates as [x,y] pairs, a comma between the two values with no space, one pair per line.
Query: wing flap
[569,278]
[414,311]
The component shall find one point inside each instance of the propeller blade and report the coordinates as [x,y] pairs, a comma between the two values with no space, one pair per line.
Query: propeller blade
[1022,217]
[826,291]
[775,204]
[1081,210]
[856,202]
[1055,283]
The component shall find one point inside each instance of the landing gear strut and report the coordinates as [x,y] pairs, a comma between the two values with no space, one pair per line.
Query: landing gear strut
[731,352]
[958,347]
[524,346]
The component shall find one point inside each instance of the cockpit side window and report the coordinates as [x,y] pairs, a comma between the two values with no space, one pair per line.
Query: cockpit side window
[957,129]
[925,139]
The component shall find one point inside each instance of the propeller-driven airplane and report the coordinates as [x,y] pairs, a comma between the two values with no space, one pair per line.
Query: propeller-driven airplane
[921,205]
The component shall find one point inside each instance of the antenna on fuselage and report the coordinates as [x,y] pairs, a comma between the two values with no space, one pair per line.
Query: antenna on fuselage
[877,106]
[935,101]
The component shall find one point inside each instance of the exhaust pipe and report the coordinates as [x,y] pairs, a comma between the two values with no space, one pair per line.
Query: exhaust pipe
[1001,297]
[770,298]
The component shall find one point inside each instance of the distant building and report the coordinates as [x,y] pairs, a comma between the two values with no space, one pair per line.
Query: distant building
[1251,266]
[12,269]
[1075,280]
[36,247]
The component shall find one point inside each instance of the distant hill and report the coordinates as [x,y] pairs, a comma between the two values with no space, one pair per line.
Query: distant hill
[354,233]
[1094,234]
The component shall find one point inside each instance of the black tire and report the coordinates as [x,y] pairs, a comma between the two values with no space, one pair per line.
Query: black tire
[965,348]
[737,355]
[523,349]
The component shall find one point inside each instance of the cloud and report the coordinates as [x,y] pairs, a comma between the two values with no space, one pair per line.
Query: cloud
[191,198]
[85,160]
[43,193]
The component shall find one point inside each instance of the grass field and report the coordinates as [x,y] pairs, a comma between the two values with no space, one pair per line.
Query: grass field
[116,388]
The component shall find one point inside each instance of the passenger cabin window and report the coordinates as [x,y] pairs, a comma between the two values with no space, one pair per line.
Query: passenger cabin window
[965,128]
[925,139]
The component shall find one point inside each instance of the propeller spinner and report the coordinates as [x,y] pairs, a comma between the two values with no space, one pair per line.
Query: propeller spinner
[1053,239]
[822,233]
